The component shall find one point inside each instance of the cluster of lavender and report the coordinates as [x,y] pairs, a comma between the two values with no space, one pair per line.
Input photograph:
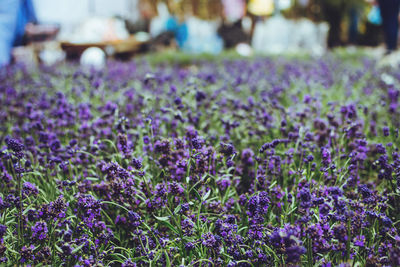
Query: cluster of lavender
[259,162]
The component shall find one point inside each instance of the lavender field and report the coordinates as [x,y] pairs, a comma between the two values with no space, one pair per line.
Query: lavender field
[231,162]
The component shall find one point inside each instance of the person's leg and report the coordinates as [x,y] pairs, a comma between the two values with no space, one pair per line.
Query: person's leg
[393,27]
[8,23]
[26,14]
[383,6]
[353,25]
[390,12]
[333,15]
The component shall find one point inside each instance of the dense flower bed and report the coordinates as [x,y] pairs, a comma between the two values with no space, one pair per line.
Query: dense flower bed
[239,163]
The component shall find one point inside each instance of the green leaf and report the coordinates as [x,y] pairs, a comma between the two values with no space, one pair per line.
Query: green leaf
[163,219]
[92,178]
[197,194]
[171,227]
[204,198]
[177,209]
[58,248]
[167,258]
[78,248]
[115,204]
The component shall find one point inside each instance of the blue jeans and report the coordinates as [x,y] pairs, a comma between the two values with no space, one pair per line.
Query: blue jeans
[390,13]
[8,25]
[14,15]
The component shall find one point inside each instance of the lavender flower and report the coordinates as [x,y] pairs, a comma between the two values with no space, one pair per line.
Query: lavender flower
[39,231]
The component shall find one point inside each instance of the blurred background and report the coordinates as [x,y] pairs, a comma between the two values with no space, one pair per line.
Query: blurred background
[48,31]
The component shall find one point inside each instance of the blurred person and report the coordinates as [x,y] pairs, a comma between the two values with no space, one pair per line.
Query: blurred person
[179,28]
[355,10]
[258,9]
[234,10]
[390,22]
[353,25]
[14,16]
[176,22]
[233,34]
[231,30]
[334,12]
[146,13]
